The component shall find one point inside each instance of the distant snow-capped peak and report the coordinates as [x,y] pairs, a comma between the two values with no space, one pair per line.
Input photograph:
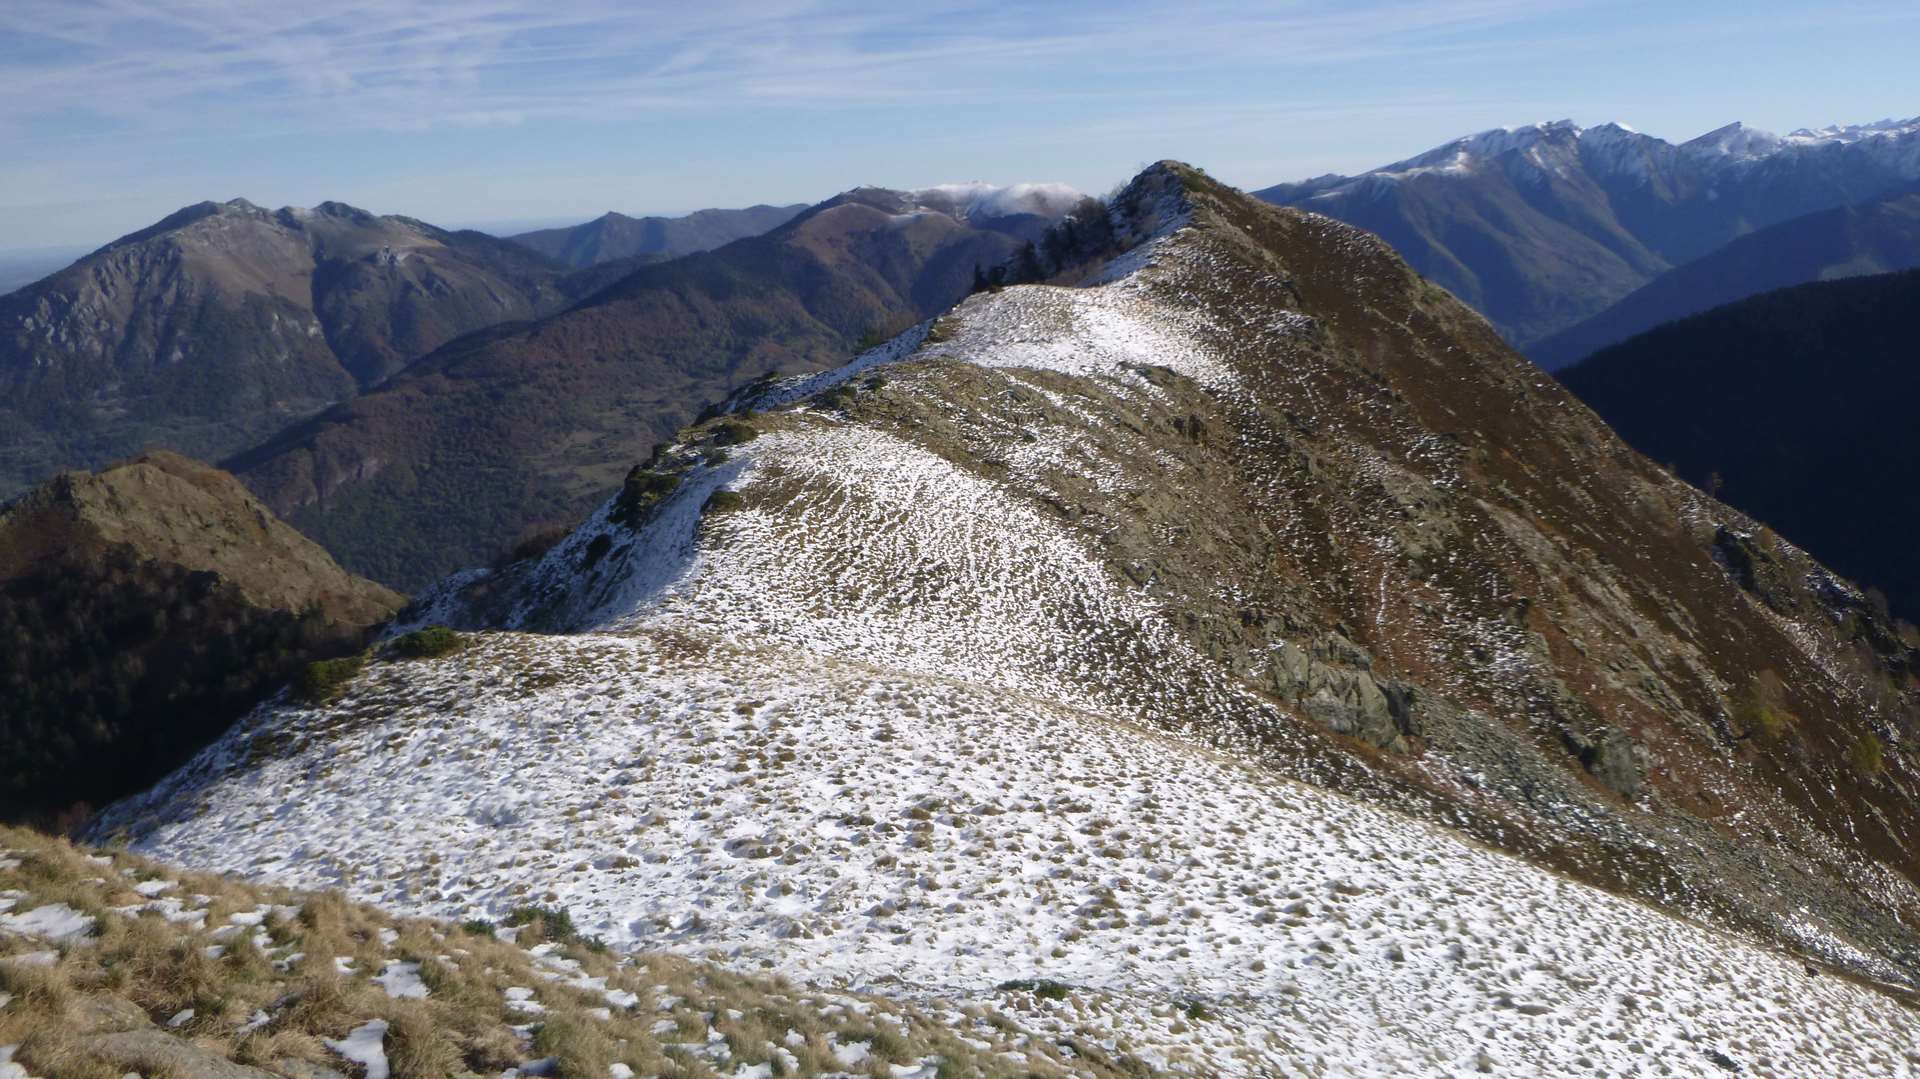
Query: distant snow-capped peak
[1615,147]
[1855,132]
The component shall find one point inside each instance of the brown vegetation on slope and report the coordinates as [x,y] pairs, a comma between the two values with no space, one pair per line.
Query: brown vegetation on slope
[141,609]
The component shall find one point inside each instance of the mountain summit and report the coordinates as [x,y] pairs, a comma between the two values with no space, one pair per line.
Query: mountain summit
[1152,633]
[615,237]
[224,322]
[1541,226]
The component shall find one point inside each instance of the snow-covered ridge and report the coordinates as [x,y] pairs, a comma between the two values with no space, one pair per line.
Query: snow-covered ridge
[880,719]
[1624,148]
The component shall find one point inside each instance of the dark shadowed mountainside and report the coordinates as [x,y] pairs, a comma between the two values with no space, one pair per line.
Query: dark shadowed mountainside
[1798,405]
[141,609]
[1849,241]
[518,427]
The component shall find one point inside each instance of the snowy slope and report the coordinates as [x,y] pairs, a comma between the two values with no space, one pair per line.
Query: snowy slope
[877,828]
[876,720]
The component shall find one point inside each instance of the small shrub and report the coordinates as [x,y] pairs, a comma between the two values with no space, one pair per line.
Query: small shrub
[548,923]
[416,1047]
[578,1048]
[322,680]
[839,396]
[534,543]
[642,490]
[429,643]
[1043,988]
[723,502]
[1762,710]
[1869,755]
[479,927]
[732,432]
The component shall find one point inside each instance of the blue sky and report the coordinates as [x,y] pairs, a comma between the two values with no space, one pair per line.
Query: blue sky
[114,113]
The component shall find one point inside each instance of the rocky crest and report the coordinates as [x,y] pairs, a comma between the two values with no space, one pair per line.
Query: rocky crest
[1541,226]
[615,237]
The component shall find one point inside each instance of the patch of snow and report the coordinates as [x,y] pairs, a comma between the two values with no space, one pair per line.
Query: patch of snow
[365,1045]
[402,980]
[55,922]
[42,958]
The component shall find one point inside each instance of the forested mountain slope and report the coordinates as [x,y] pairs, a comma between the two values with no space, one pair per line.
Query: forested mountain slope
[1797,405]
[499,433]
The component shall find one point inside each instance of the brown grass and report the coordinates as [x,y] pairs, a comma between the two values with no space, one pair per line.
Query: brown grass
[157,968]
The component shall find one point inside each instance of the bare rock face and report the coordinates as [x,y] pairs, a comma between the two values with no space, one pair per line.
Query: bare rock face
[143,607]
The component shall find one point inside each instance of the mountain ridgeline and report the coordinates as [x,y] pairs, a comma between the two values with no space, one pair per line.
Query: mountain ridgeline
[1797,406]
[1541,227]
[615,237]
[501,433]
[221,324]
[1190,594]
[1881,236]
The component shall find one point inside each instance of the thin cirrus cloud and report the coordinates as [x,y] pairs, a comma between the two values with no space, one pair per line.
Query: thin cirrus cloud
[117,111]
[409,64]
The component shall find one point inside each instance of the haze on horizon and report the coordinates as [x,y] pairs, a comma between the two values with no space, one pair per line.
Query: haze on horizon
[476,112]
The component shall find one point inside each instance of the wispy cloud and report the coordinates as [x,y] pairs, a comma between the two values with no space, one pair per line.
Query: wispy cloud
[509,108]
[413,63]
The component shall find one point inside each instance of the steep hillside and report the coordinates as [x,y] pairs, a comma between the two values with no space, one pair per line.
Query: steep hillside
[614,237]
[141,610]
[1232,637]
[1541,227]
[451,463]
[1798,405]
[1850,241]
[225,322]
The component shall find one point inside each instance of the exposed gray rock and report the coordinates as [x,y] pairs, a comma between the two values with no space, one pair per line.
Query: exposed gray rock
[157,1051]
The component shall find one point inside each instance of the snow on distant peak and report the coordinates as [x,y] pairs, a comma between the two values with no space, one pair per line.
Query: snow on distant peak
[1855,132]
[1736,140]
[1463,154]
[978,199]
